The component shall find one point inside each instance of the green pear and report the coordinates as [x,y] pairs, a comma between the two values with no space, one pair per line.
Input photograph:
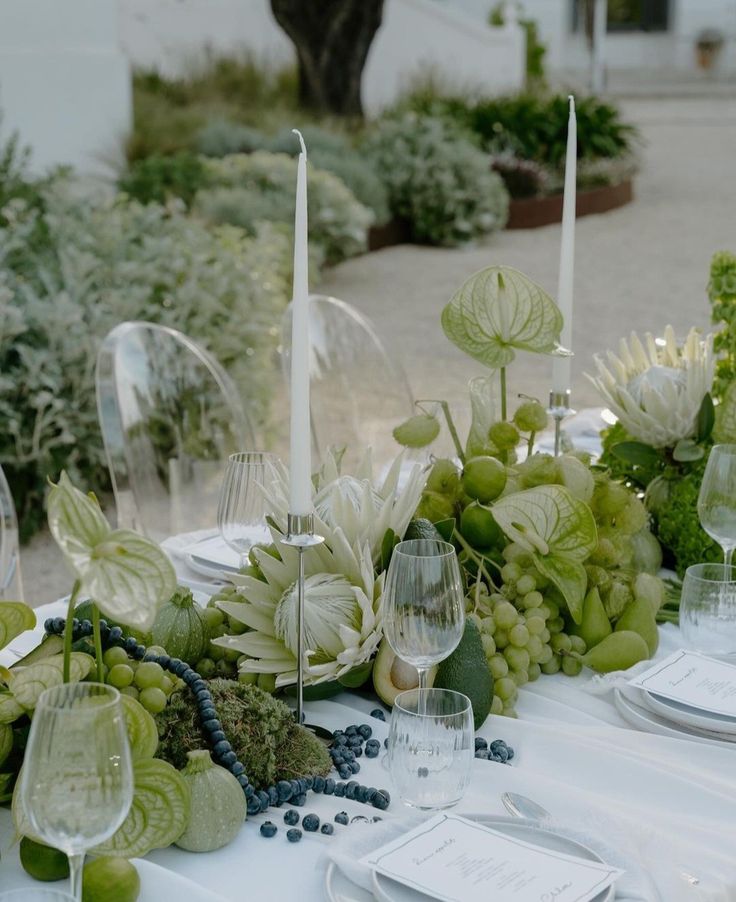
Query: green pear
[619,651]
[595,624]
[638,616]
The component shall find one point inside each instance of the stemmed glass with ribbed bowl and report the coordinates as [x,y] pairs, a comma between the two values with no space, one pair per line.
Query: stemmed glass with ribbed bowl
[241,512]
[717,499]
[423,603]
[76,784]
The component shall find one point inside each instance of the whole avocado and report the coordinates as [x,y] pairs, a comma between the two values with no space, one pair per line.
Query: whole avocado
[466,671]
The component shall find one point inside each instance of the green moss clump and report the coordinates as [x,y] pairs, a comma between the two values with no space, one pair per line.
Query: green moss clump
[678,526]
[260,728]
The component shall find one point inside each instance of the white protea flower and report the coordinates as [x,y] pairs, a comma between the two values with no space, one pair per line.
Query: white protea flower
[342,625]
[656,392]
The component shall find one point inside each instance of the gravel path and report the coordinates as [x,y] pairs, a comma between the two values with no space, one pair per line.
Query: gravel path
[639,268]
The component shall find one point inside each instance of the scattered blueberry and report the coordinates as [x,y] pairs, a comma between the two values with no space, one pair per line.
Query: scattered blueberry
[497,744]
[372,748]
[254,806]
[480,743]
[327,829]
[483,754]
[422,771]
[503,754]
[329,786]
[269,829]
[380,801]
[378,714]
[357,752]
[345,771]
[294,835]
[385,743]
[510,751]
[354,767]
[291,817]
[342,818]
[351,730]
[365,731]
[310,822]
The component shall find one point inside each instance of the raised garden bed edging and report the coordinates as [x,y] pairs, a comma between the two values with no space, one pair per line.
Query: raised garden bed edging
[533,212]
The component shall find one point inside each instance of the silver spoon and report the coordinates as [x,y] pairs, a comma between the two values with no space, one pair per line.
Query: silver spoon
[521,806]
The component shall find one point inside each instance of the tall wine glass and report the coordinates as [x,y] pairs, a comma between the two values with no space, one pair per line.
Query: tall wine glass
[241,512]
[423,603]
[717,499]
[77,779]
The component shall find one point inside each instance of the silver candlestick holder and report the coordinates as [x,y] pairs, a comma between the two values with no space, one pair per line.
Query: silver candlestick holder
[559,408]
[300,535]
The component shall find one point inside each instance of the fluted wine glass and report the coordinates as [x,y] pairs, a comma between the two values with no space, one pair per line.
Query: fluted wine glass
[241,512]
[423,603]
[77,779]
[717,499]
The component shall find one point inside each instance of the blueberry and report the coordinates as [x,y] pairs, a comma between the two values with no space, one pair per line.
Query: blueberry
[354,767]
[378,714]
[273,796]
[228,759]
[203,695]
[355,742]
[164,661]
[263,798]
[380,801]
[254,806]
[340,789]
[345,772]
[207,711]
[318,784]
[503,754]
[497,744]
[365,731]
[269,829]
[294,835]
[327,829]
[291,817]
[495,757]
[350,789]
[212,725]
[385,743]
[422,772]
[376,819]
[116,634]
[510,751]
[221,747]
[480,743]
[351,730]
[342,818]
[340,740]
[248,790]
[357,752]
[295,790]
[303,786]
[138,652]
[372,748]
[299,800]
[329,786]
[217,736]
[386,794]
[361,794]
[348,756]
[482,753]
[338,761]
[310,822]
[48,625]
[237,769]
[198,684]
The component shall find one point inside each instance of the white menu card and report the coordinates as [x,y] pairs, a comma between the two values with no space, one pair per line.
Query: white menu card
[454,859]
[693,679]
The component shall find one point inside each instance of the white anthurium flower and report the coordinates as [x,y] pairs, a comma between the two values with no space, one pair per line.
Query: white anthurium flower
[342,626]
[656,392]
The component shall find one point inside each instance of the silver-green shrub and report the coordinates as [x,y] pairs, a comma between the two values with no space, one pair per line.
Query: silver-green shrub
[221,137]
[437,179]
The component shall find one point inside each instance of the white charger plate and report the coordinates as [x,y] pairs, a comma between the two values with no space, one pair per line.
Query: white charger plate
[720,725]
[643,719]
[340,889]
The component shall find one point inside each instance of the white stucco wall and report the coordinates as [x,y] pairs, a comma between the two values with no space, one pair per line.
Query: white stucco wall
[64,81]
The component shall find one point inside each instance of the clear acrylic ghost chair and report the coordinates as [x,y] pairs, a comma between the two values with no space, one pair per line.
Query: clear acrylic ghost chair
[358,392]
[11,584]
[170,417]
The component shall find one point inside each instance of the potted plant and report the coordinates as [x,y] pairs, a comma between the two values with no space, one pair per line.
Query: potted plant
[708,46]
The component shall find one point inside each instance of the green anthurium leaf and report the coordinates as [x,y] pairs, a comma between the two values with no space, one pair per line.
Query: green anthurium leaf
[687,450]
[6,741]
[141,727]
[446,528]
[484,415]
[129,577]
[636,453]
[498,310]
[724,429]
[76,522]
[570,578]
[15,618]
[27,683]
[548,520]
[158,815]
[706,418]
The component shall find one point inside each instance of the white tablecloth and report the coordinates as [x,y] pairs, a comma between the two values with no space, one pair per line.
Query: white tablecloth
[668,805]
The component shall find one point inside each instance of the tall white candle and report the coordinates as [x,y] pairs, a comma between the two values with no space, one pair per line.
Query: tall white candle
[561,366]
[300,499]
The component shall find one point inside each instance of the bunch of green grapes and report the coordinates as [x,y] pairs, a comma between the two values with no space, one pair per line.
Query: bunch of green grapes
[145,681]
[522,630]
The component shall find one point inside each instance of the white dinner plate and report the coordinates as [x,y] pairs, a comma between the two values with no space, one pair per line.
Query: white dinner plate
[387,890]
[646,720]
[159,883]
[208,568]
[723,726]
[340,889]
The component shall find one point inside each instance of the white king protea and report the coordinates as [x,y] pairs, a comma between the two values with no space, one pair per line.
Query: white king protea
[656,392]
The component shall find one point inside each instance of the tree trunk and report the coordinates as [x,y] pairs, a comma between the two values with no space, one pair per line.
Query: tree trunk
[332,39]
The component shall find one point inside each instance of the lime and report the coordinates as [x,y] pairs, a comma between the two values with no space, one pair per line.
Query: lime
[478,527]
[109,879]
[443,477]
[484,478]
[43,862]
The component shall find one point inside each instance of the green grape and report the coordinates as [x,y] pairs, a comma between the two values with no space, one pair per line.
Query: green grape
[515,553]
[534,672]
[217,631]
[232,655]
[120,676]
[505,615]
[510,572]
[129,690]
[571,666]
[534,646]
[488,625]
[556,625]
[499,667]
[505,689]
[508,590]
[578,644]
[156,650]
[224,668]
[526,584]
[496,705]
[115,655]
[249,679]
[544,611]
[535,625]
[489,646]
[476,620]
[532,600]
[501,638]
[148,675]
[545,635]
[545,656]
[496,598]
[517,658]
[561,642]
[215,652]
[167,685]
[267,682]
[519,677]
[554,609]
[551,666]
[235,627]
[153,699]
[205,667]
[519,635]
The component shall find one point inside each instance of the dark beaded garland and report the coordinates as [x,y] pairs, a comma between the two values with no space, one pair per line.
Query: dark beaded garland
[293,791]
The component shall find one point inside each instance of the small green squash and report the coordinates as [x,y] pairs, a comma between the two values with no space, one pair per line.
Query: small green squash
[181,627]
[218,805]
